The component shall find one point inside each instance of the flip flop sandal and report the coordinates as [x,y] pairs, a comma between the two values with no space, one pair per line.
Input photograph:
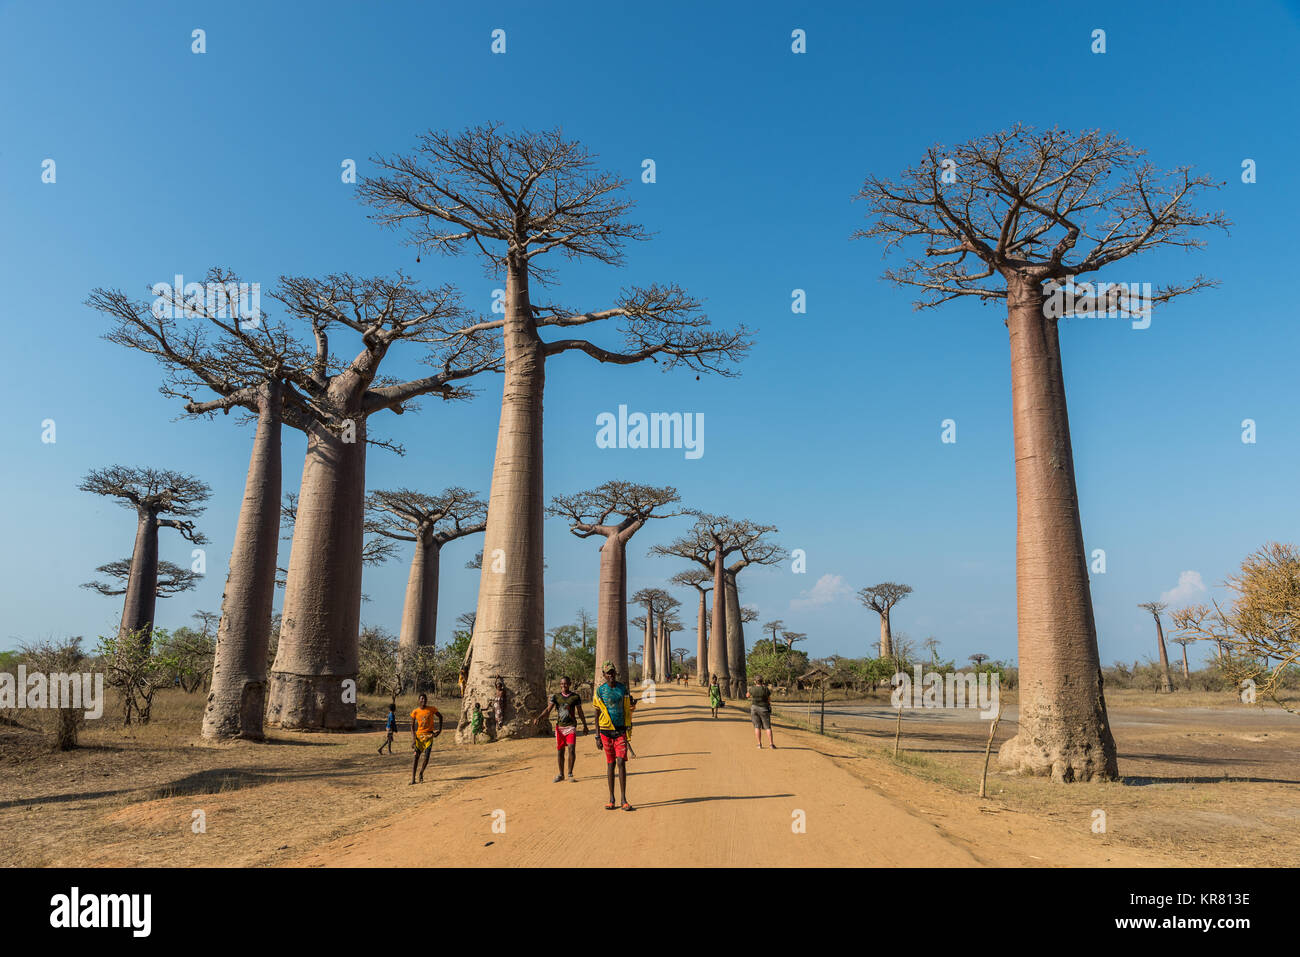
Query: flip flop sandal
[611,806]
[628,807]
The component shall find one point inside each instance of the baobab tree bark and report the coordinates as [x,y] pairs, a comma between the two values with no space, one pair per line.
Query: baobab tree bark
[736,670]
[719,657]
[511,606]
[420,610]
[611,609]
[702,644]
[1064,728]
[237,696]
[649,660]
[313,678]
[142,587]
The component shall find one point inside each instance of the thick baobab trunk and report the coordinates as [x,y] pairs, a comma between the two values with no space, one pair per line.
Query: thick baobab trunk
[701,647]
[1064,730]
[1187,675]
[611,609]
[649,658]
[886,637]
[509,633]
[237,697]
[313,678]
[142,583]
[718,646]
[420,611]
[735,633]
[665,651]
[1166,683]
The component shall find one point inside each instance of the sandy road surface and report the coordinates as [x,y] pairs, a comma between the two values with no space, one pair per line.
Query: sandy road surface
[706,796]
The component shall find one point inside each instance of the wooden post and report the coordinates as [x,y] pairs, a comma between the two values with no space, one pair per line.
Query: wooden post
[822,728]
[898,730]
[988,748]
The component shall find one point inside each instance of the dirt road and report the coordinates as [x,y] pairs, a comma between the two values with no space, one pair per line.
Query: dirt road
[706,796]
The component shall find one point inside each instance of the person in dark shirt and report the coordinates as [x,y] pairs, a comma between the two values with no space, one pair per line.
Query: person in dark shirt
[391,727]
[760,711]
[568,712]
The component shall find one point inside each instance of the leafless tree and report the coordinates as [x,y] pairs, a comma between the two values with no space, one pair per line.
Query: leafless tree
[881,599]
[514,198]
[709,543]
[430,522]
[171,580]
[1018,216]
[614,511]
[701,579]
[160,498]
[317,652]
[1156,608]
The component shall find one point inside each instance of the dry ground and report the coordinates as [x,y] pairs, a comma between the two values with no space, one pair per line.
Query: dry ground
[1204,785]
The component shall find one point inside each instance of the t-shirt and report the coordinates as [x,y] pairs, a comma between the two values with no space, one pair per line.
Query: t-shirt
[611,696]
[760,697]
[391,724]
[424,721]
[566,706]
[476,721]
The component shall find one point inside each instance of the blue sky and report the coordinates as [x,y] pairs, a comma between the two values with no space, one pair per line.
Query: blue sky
[170,162]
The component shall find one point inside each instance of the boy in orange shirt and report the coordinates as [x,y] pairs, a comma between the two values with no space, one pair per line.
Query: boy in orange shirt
[423,733]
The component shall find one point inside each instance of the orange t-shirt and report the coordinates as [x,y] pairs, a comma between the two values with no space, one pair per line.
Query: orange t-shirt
[424,721]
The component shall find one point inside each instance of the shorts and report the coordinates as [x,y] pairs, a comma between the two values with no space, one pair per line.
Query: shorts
[761,717]
[423,744]
[565,736]
[615,745]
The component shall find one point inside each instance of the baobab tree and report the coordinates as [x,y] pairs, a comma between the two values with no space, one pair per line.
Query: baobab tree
[775,628]
[979,658]
[668,625]
[1018,216]
[160,498]
[317,653]
[614,511]
[242,363]
[709,543]
[881,599]
[517,197]
[430,522]
[791,637]
[172,579]
[1157,608]
[656,602]
[702,581]
[931,645]
[1183,641]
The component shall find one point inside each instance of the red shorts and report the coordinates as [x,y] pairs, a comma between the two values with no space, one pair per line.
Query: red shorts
[615,747]
[565,736]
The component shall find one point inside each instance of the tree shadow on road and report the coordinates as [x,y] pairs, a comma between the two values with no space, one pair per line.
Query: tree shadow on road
[720,797]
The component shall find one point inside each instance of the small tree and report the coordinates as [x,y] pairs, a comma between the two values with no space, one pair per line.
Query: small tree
[136,671]
[51,658]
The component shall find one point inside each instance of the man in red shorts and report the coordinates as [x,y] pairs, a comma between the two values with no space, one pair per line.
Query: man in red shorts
[614,706]
[568,706]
